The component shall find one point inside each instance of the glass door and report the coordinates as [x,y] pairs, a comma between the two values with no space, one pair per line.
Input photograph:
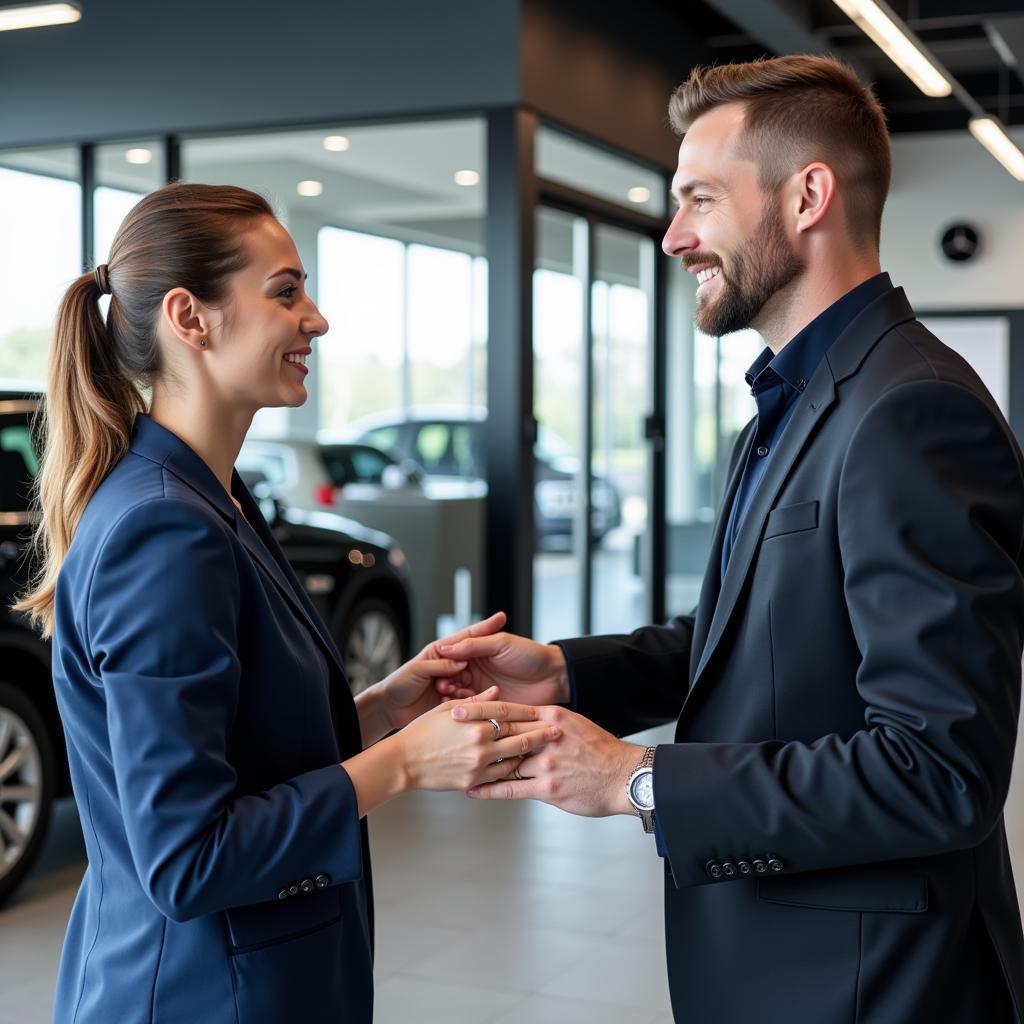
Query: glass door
[593,340]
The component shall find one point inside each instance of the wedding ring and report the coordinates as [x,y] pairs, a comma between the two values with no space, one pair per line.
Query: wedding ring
[497,728]
[498,760]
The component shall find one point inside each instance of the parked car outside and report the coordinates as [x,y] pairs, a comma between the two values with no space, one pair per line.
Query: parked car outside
[355,577]
[449,443]
[305,474]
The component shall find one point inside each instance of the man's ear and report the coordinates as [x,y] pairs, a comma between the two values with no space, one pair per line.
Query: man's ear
[186,317]
[813,194]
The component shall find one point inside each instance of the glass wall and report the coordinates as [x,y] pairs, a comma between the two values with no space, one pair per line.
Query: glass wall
[40,253]
[125,172]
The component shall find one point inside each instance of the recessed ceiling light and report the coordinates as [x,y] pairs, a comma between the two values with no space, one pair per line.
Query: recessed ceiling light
[336,143]
[139,156]
[467,178]
[38,15]
[309,188]
[638,194]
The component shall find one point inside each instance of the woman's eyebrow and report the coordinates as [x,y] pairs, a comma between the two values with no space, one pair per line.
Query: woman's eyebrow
[292,272]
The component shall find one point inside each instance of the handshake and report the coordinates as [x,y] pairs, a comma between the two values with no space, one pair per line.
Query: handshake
[479,711]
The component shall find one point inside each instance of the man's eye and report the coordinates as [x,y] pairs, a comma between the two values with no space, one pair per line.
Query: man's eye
[701,199]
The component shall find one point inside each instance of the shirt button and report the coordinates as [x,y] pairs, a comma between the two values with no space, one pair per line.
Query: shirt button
[762,451]
[775,864]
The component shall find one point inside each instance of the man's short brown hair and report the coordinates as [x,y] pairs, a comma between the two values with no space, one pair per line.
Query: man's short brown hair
[798,109]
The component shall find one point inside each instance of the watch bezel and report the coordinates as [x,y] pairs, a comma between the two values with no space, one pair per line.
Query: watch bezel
[633,779]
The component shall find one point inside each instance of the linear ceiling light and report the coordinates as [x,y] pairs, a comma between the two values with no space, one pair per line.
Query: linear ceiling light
[992,135]
[37,15]
[898,43]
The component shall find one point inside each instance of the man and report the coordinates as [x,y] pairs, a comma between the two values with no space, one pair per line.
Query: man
[848,687]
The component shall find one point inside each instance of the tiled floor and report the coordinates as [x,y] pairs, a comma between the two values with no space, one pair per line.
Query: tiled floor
[485,913]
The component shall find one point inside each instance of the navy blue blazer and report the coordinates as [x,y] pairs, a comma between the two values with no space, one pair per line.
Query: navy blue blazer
[206,712]
[846,702]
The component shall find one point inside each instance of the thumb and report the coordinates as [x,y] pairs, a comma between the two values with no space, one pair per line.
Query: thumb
[490,693]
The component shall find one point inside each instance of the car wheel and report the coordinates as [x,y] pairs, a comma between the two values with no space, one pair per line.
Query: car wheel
[27,778]
[372,643]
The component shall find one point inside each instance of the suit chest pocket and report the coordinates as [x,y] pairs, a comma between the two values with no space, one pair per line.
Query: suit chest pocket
[792,519]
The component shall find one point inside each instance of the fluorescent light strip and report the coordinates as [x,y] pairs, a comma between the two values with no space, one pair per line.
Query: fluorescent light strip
[37,16]
[992,135]
[898,44]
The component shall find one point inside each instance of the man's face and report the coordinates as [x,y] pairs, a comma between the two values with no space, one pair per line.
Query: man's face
[726,230]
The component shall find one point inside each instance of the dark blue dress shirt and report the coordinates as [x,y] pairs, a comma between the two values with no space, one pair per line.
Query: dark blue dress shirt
[777,381]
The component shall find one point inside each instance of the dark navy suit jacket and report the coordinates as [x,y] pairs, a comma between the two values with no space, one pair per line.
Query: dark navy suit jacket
[846,702]
[206,713]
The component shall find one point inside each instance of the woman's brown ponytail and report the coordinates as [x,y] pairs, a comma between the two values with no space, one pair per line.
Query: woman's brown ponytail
[179,236]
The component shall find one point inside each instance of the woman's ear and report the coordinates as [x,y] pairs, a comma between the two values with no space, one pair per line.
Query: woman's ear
[186,317]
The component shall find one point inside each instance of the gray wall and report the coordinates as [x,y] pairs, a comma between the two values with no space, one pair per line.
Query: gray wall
[146,67]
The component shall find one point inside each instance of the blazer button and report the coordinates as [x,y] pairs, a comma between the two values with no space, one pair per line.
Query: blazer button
[322,881]
[293,890]
[306,885]
[283,894]
[714,869]
[760,867]
[775,864]
[729,869]
[744,867]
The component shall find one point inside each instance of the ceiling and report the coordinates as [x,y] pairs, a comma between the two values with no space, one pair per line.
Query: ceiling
[980,43]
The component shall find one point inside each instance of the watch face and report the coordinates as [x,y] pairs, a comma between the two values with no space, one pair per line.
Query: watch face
[642,790]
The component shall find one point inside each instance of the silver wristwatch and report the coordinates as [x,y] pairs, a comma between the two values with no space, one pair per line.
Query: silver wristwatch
[640,789]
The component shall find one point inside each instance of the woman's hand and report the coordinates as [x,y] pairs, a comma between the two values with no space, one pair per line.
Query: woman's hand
[412,690]
[438,752]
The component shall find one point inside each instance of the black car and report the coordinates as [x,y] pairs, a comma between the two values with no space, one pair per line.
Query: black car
[356,577]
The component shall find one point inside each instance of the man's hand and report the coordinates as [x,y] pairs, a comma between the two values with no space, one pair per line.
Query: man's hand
[526,671]
[585,772]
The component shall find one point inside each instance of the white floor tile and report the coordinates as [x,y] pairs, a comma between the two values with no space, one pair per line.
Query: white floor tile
[554,1010]
[401,1000]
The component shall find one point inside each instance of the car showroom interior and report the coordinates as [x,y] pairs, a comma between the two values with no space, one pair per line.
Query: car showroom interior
[521,405]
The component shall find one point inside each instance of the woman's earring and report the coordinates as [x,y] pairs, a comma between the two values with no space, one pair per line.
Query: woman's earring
[202,342]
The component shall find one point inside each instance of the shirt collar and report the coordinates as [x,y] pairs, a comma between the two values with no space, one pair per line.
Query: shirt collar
[798,360]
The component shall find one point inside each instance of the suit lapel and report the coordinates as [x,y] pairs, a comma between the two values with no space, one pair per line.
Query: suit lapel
[259,542]
[713,573]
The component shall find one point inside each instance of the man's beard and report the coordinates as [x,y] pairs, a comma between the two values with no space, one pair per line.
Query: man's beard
[762,266]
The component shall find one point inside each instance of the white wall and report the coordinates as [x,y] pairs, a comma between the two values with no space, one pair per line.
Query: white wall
[939,179]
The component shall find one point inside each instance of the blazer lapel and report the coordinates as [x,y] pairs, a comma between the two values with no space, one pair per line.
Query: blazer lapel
[713,573]
[259,541]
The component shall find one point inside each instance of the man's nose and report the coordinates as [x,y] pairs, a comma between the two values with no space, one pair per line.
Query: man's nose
[679,238]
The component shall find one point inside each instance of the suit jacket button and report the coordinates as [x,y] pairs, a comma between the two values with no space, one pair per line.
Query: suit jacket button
[714,869]
[283,894]
[775,864]
[744,868]
[306,885]
[761,867]
[293,890]
[729,869]
[322,881]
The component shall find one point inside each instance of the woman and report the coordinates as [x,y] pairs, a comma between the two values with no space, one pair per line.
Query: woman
[221,766]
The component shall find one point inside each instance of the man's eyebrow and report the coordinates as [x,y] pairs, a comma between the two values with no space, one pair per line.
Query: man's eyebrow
[291,272]
[691,187]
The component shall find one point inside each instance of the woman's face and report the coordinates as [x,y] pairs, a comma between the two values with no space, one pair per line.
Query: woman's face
[258,349]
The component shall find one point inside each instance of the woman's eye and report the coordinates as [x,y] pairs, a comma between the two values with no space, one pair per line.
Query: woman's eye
[287,292]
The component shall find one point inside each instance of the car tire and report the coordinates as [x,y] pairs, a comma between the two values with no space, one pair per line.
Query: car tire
[27,785]
[372,642]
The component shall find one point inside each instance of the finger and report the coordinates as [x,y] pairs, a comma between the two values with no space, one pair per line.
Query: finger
[494,772]
[524,743]
[506,789]
[474,647]
[483,628]
[489,694]
[440,667]
[483,706]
